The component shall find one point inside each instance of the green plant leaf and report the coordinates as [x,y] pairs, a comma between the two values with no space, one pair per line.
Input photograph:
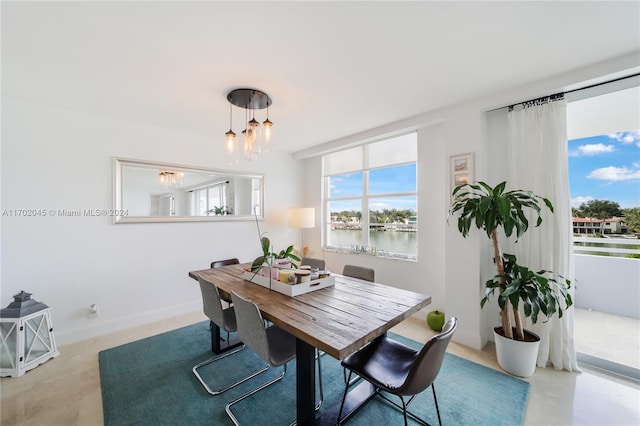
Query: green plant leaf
[266,244]
[499,188]
[257,263]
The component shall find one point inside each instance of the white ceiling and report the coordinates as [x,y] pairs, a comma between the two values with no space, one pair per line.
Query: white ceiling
[333,69]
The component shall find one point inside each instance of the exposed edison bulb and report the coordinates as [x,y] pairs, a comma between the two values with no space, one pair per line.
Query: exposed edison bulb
[267,134]
[230,148]
[249,138]
[253,128]
[258,144]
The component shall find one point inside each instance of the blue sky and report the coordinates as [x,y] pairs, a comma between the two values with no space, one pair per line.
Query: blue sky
[385,180]
[606,167]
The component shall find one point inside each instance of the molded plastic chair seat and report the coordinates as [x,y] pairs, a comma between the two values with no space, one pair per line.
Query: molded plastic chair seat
[398,369]
[372,363]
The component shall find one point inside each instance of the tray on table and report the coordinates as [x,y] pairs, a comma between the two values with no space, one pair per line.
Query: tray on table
[289,289]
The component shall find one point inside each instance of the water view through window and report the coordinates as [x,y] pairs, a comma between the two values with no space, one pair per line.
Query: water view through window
[393,242]
[379,179]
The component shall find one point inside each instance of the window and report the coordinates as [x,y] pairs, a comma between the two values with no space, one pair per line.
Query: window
[209,200]
[371,198]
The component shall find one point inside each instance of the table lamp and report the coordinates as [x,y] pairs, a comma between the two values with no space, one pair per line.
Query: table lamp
[302,217]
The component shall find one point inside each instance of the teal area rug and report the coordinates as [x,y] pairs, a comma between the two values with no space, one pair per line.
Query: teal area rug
[149,382]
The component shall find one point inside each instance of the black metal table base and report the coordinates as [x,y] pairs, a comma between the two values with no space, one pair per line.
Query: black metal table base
[356,399]
[306,392]
[305,383]
[217,345]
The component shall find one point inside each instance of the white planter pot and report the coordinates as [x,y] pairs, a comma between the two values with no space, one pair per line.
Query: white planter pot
[517,357]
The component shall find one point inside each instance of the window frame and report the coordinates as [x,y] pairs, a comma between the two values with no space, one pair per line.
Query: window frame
[366,198]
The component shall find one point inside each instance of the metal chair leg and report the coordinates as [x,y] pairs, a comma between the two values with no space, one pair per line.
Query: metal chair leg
[226,388]
[344,397]
[318,357]
[404,411]
[269,383]
[433,388]
[247,395]
[348,383]
[404,407]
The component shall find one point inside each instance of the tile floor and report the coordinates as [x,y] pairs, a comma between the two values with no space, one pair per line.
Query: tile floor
[66,390]
[596,333]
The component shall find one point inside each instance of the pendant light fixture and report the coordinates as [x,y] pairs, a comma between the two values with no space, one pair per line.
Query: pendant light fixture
[256,137]
[230,149]
[170,179]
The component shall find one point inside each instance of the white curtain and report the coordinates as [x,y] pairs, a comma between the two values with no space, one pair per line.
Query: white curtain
[538,161]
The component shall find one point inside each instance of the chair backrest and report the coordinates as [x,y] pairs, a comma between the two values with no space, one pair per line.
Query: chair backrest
[362,272]
[211,304]
[251,326]
[429,360]
[219,263]
[314,263]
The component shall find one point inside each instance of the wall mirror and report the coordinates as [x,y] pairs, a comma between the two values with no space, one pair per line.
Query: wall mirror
[160,192]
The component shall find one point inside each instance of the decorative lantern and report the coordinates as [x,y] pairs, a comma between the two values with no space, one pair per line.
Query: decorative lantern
[26,335]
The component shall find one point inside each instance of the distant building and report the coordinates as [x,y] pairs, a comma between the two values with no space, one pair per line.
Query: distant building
[590,225]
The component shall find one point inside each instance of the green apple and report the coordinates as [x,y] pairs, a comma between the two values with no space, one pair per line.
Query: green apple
[435,320]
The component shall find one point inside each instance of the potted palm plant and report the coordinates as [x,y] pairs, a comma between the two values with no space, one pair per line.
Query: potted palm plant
[521,291]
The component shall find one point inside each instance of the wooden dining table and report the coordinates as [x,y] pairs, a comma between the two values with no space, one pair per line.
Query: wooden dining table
[338,320]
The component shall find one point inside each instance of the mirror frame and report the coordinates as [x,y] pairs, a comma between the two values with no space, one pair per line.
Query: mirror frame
[119,163]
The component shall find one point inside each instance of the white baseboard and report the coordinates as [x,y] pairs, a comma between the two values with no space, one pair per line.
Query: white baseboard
[472,340]
[88,331]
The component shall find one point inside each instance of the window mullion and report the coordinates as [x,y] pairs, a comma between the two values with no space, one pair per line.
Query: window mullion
[365,196]
[365,208]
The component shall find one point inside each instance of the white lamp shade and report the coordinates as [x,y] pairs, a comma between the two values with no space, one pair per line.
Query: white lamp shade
[304,217]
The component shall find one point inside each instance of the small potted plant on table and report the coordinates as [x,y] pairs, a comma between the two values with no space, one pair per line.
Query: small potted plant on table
[521,291]
[269,260]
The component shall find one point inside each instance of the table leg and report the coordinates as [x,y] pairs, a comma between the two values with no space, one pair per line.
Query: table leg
[216,347]
[305,383]
[355,400]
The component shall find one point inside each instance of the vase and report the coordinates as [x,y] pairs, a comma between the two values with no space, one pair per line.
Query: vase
[282,263]
[517,357]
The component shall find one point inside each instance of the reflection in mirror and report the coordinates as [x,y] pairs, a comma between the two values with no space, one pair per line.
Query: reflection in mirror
[161,192]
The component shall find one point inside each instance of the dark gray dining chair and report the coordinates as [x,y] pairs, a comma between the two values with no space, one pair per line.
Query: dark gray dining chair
[314,263]
[360,272]
[393,367]
[225,319]
[272,344]
[225,262]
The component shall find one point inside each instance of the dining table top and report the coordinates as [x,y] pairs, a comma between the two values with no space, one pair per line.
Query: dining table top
[337,320]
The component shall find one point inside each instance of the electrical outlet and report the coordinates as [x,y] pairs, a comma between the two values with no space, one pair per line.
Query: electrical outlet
[93,311]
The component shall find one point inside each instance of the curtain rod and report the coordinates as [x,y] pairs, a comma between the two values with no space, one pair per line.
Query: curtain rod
[560,95]
[603,83]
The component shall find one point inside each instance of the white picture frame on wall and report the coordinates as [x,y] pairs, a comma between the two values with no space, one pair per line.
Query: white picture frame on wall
[461,169]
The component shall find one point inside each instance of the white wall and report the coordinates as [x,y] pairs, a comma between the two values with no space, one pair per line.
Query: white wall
[600,282]
[136,273]
[450,268]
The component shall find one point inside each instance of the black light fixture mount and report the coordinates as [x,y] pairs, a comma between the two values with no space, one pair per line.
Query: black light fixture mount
[249,99]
